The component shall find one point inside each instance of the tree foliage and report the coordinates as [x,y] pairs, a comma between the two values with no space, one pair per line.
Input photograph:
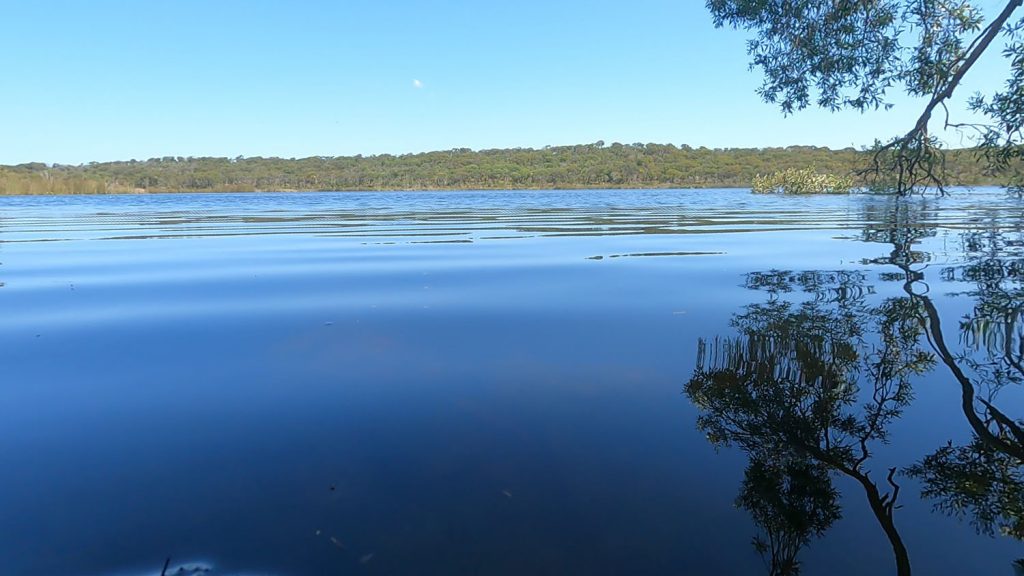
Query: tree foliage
[584,166]
[802,181]
[854,53]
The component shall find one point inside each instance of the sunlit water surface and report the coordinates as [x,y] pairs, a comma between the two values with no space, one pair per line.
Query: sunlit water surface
[475,383]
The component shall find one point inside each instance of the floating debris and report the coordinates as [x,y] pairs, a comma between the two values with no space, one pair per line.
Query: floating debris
[338,543]
[366,558]
[507,493]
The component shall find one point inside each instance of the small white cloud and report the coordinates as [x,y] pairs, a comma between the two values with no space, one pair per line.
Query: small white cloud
[417,84]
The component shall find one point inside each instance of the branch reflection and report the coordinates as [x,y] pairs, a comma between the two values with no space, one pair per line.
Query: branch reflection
[818,371]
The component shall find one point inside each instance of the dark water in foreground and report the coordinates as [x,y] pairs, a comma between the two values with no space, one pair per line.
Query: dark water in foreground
[511,383]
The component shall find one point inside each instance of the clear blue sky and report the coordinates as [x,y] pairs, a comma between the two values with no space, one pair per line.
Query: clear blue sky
[103,80]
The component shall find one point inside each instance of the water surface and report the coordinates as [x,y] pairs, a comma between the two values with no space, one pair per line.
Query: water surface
[511,383]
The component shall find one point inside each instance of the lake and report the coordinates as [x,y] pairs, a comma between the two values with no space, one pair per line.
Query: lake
[565,382]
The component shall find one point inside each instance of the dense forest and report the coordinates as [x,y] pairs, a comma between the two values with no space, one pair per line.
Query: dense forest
[584,166]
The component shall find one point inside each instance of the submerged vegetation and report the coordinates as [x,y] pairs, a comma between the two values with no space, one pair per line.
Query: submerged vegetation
[583,166]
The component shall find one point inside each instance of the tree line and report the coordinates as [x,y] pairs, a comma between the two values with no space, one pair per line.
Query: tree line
[581,166]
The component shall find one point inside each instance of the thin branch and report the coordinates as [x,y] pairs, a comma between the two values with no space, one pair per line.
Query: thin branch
[895,490]
[980,45]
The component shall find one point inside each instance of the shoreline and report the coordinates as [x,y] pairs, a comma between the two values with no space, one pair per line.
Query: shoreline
[144,192]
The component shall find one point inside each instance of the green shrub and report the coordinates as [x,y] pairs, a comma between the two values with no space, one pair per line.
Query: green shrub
[802,181]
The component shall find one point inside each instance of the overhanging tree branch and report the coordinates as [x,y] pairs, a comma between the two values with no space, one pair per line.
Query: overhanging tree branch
[914,158]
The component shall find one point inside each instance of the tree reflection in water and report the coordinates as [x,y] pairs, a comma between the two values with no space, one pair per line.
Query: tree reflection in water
[816,374]
[788,391]
[983,480]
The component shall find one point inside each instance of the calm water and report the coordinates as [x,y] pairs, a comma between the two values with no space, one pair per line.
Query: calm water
[599,382]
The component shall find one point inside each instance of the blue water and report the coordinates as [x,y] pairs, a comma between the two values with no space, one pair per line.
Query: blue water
[440,383]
